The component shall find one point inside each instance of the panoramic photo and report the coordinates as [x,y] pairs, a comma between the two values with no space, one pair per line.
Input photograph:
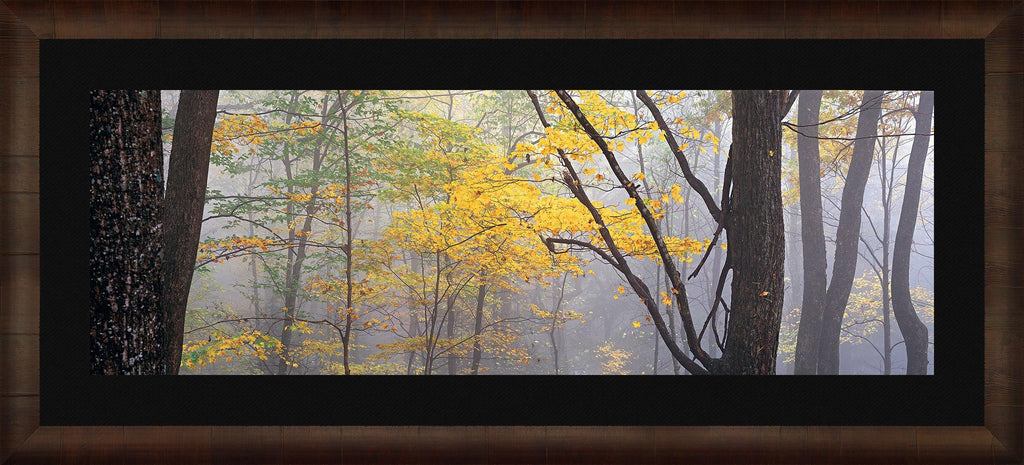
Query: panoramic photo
[512,232]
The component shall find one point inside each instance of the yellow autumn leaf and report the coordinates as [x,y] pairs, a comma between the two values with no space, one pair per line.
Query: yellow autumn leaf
[636,324]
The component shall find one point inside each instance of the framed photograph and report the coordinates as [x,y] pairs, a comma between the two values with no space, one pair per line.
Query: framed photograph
[962,406]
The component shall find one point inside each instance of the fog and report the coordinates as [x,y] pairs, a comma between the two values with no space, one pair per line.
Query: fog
[441,232]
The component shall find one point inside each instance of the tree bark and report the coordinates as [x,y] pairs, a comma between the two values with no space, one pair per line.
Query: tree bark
[756,234]
[481,293]
[812,235]
[183,210]
[126,322]
[915,333]
[844,266]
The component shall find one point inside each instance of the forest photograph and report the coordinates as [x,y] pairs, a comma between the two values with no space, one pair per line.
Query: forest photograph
[512,232]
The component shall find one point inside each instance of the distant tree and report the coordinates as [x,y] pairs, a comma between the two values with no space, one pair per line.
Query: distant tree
[812,235]
[126,188]
[915,333]
[844,266]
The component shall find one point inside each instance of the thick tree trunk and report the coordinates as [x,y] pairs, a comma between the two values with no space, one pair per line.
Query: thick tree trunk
[126,189]
[844,266]
[915,333]
[756,234]
[812,235]
[183,210]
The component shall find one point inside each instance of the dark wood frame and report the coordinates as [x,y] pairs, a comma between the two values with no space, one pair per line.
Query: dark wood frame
[23,23]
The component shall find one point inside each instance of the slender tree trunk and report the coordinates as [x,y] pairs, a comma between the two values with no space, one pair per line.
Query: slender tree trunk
[915,333]
[453,360]
[812,236]
[481,293]
[183,210]
[286,335]
[414,331]
[348,241]
[848,234]
[886,324]
[756,234]
[126,319]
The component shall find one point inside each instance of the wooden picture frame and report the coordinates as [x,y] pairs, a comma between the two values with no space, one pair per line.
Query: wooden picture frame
[24,23]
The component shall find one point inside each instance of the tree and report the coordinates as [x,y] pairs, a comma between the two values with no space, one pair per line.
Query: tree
[183,211]
[756,236]
[812,235]
[752,336]
[915,333]
[844,266]
[127,324]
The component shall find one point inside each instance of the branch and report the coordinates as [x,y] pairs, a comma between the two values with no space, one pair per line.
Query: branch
[652,226]
[695,183]
[550,241]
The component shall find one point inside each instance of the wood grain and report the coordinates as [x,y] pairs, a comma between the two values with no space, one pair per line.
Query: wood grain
[208,19]
[24,22]
[1004,97]
[19,228]
[964,19]
[745,19]
[1004,194]
[634,19]
[20,364]
[19,174]
[359,20]
[275,19]
[21,414]
[448,19]
[546,19]
[19,114]
[1005,45]
[19,48]
[19,288]
[910,20]
[135,19]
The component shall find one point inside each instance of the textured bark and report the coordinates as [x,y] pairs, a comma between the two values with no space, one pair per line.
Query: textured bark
[756,234]
[126,322]
[915,333]
[844,267]
[812,235]
[183,211]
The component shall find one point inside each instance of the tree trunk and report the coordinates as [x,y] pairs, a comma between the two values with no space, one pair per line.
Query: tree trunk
[844,266]
[477,326]
[127,324]
[453,360]
[915,333]
[756,234]
[812,236]
[183,211]
[348,242]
